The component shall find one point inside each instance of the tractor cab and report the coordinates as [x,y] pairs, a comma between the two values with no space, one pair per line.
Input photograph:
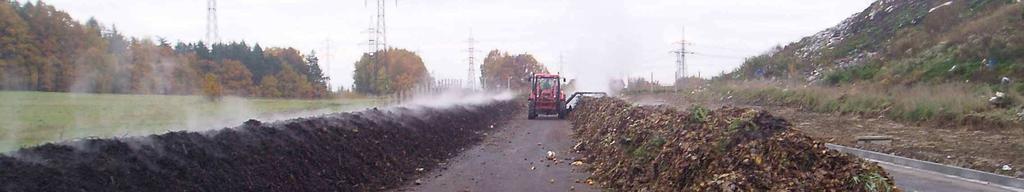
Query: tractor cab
[546,95]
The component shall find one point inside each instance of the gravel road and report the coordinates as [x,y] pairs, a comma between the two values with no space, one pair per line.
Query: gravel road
[513,158]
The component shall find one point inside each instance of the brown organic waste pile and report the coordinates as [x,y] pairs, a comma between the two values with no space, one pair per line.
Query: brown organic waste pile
[632,148]
[372,150]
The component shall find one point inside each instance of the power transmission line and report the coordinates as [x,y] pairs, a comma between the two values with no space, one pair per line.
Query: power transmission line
[382,30]
[718,56]
[379,39]
[681,57]
[212,33]
[371,33]
[471,72]
[719,47]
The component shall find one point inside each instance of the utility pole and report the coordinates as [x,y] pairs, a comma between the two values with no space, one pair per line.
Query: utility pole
[327,62]
[561,62]
[681,59]
[382,30]
[651,81]
[471,72]
[681,56]
[379,33]
[212,33]
[371,42]
[382,25]
[513,65]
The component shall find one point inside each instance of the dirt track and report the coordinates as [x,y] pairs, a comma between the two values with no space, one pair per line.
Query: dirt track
[910,179]
[503,161]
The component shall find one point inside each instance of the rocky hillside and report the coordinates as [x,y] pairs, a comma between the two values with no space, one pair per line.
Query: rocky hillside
[901,42]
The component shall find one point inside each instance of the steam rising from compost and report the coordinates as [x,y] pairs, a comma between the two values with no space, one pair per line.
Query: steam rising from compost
[603,47]
[452,98]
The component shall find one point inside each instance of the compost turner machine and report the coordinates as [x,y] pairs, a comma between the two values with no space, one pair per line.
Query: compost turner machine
[547,98]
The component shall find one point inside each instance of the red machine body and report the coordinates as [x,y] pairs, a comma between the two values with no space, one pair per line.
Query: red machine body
[546,96]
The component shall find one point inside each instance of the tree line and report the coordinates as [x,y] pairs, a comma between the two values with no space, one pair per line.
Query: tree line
[44,49]
[394,71]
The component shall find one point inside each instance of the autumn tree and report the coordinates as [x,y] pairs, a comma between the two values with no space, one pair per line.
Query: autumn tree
[293,85]
[237,79]
[211,88]
[93,63]
[389,71]
[500,70]
[269,86]
[142,64]
[16,50]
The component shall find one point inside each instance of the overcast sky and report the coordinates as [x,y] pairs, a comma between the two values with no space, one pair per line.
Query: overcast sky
[595,37]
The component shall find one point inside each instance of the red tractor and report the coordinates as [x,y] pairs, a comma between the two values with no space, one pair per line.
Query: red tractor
[547,98]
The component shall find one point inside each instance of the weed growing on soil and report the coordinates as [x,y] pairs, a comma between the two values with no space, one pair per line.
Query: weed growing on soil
[872,181]
[699,114]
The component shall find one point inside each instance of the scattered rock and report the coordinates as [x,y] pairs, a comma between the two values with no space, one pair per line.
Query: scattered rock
[577,163]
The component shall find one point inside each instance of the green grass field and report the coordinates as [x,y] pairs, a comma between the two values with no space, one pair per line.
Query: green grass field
[33,118]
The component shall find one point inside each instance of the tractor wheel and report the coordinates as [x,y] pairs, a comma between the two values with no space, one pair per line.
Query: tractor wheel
[561,110]
[532,114]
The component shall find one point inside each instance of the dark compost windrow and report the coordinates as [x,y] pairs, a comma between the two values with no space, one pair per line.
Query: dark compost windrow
[634,148]
[359,151]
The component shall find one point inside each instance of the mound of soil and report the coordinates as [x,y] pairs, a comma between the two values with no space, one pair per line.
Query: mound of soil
[361,151]
[636,148]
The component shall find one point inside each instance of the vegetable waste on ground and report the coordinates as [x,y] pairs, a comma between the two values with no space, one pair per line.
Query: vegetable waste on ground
[361,151]
[652,148]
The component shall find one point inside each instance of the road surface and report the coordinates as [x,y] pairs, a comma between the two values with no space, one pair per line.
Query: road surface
[513,158]
[912,179]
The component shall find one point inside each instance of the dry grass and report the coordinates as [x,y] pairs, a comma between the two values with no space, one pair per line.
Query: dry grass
[953,102]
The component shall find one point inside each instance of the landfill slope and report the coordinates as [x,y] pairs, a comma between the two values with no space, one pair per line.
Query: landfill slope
[361,151]
[635,148]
